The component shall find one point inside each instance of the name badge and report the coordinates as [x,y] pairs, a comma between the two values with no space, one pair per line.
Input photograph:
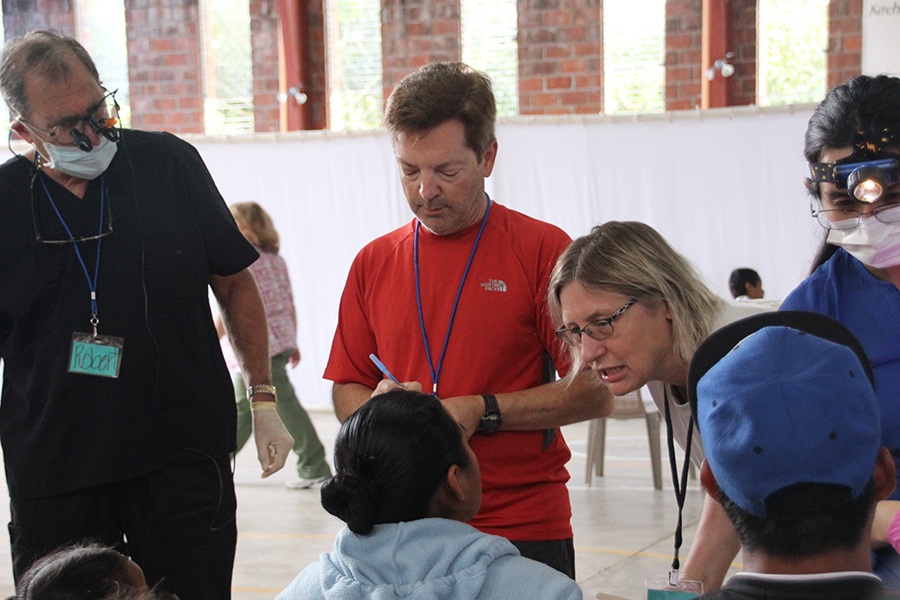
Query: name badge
[669,589]
[99,355]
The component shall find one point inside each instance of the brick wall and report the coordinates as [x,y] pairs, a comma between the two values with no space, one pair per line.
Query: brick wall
[684,60]
[264,40]
[560,49]
[560,56]
[317,84]
[844,40]
[265,36]
[21,16]
[743,36]
[684,28]
[414,33]
[164,70]
[560,53]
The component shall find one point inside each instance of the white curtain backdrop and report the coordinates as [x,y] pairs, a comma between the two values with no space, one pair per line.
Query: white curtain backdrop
[725,187]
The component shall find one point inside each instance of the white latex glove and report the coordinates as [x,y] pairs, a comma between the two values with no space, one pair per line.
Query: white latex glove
[273,442]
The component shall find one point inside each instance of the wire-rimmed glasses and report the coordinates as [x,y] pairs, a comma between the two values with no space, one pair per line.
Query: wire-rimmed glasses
[598,330]
[102,118]
[845,218]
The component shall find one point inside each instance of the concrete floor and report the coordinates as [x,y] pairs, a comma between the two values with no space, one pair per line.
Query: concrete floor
[623,527]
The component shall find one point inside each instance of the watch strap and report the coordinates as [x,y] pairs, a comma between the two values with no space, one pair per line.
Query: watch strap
[492,418]
[262,388]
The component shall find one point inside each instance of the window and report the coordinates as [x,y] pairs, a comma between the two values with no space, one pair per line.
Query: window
[100,28]
[634,75]
[354,66]
[228,69]
[489,45]
[793,37]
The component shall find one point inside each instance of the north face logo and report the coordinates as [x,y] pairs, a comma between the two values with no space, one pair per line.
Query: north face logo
[494,285]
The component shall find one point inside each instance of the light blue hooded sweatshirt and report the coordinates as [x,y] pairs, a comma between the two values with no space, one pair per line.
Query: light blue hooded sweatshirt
[427,559]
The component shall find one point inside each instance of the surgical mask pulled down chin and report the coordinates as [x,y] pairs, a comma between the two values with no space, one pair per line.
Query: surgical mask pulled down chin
[74,161]
[871,242]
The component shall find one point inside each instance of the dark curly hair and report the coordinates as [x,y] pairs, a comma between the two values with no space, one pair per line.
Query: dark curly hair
[83,572]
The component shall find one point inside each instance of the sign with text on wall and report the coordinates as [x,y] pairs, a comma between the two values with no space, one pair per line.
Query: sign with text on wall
[880,39]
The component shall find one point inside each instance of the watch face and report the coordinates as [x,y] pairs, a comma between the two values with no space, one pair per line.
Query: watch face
[489,423]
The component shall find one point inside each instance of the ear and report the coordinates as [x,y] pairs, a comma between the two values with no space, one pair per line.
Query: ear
[490,155]
[884,475]
[668,312]
[448,496]
[21,131]
[708,480]
[454,487]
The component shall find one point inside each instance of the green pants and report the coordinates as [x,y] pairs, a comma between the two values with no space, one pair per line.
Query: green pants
[310,453]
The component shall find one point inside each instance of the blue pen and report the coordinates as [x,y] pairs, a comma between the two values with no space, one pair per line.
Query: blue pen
[384,369]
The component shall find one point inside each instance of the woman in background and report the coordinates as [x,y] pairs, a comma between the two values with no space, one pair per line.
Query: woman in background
[406,484]
[271,275]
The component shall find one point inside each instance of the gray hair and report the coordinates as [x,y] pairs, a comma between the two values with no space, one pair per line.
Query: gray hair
[633,259]
[41,52]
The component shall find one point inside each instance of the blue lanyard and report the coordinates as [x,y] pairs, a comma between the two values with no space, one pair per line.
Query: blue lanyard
[436,372]
[92,283]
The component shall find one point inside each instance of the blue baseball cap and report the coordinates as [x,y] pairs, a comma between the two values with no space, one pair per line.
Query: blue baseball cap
[785,398]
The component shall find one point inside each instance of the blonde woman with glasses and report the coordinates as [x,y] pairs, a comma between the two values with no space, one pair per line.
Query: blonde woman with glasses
[634,310]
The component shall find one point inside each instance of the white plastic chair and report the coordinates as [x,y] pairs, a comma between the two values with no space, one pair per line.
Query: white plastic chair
[629,406]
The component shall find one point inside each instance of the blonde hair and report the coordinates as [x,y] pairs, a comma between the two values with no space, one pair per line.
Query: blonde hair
[257,224]
[633,259]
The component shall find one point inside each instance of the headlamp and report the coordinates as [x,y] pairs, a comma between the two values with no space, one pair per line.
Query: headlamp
[867,184]
[866,181]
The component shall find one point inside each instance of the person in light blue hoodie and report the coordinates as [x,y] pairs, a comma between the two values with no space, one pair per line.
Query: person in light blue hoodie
[406,483]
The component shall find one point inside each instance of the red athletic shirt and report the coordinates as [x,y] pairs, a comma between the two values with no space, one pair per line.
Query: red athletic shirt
[500,335]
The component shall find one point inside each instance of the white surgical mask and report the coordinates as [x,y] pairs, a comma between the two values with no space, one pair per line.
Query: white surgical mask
[74,161]
[872,242]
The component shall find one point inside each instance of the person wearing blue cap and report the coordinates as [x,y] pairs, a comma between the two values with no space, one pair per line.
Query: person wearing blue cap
[786,406]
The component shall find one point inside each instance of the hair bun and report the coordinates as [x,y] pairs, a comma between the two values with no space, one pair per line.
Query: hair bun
[351,499]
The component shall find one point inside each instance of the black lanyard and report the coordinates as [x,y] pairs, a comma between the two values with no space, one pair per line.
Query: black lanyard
[680,484]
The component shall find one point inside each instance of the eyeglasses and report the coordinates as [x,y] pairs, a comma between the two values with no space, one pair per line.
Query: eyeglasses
[598,330]
[102,119]
[62,236]
[843,218]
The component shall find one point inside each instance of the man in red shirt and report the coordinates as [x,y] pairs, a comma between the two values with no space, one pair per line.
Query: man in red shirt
[454,303]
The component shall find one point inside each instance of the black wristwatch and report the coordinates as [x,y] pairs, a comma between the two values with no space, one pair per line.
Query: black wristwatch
[491,419]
